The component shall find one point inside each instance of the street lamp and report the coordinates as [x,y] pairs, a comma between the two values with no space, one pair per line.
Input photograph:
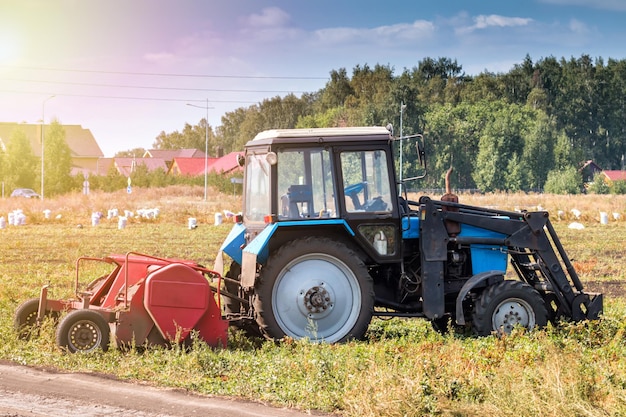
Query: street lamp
[206,143]
[43,123]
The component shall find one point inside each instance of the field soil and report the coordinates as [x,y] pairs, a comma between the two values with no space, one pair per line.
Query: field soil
[29,392]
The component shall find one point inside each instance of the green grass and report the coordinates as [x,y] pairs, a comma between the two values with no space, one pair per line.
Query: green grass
[404,368]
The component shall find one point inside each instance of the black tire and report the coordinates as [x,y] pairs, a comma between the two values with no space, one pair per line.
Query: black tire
[83,331]
[507,304]
[25,318]
[234,307]
[314,288]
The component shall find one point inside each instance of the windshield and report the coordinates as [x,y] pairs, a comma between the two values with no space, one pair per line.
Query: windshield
[257,192]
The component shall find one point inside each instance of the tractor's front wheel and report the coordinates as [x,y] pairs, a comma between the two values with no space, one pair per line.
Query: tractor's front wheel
[507,304]
[83,331]
[314,288]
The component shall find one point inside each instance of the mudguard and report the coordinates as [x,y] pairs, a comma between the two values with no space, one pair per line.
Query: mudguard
[257,251]
[232,247]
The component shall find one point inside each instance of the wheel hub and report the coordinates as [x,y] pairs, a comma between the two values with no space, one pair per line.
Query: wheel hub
[316,302]
[511,313]
[317,299]
[84,336]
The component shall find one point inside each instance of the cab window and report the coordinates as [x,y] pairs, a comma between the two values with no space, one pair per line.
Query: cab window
[366,181]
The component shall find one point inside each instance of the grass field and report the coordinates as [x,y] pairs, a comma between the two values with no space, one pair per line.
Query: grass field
[403,368]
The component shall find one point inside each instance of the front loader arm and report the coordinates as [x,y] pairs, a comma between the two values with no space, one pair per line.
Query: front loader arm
[536,253]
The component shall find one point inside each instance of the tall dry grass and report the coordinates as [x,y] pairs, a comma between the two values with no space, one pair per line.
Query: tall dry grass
[589,205]
[175,204]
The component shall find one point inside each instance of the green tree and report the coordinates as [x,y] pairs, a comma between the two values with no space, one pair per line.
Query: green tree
[57,161]
[336,91]
[599,184]
[332,117]
[229,134]
[114,181]
[452,139]
[538,156]
[501,141]
[192,137]
[618,187]
[19,164]
[564,181]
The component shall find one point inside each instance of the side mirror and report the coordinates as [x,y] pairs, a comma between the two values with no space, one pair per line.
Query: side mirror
[421,153]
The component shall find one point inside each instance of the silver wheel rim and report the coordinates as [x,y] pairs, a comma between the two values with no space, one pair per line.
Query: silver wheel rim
[316,296]
[512,312]
[84,336]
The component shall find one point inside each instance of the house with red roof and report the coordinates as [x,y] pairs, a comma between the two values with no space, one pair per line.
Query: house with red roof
[189,166]
[615,175]
[168,155]
[227,164]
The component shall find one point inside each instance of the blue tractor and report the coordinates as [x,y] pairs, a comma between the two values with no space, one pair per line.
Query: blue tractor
[328,238]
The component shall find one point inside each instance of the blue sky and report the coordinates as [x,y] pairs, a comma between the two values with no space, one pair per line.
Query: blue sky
[126,69]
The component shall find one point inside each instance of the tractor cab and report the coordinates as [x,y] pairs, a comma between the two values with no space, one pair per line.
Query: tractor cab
[335,180]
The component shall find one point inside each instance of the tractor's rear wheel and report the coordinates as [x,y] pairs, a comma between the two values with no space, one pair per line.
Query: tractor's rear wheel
[83,331]
[314,288]
[507,304]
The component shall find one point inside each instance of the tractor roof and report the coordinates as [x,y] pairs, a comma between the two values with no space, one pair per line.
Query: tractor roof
[331,134]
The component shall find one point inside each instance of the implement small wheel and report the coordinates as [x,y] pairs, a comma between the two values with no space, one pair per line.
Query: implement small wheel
[25,318]
[507,304]
[316,288]
[83,331]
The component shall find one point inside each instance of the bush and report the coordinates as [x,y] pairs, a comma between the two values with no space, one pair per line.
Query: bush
[567,181]
[618,187]
[599,185]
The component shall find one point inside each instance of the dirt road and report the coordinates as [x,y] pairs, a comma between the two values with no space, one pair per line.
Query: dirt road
[28,392]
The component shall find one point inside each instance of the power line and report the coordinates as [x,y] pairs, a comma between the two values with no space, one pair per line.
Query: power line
[128,98]
[156,74]
[151,87]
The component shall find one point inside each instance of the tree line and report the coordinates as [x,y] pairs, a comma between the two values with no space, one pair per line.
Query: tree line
[530,128]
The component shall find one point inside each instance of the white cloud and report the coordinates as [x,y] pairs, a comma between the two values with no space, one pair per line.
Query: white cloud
[269,17]
[578,27]
[381,34]
[494,20]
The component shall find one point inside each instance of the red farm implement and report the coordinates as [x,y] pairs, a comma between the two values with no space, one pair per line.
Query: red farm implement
[143,300]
